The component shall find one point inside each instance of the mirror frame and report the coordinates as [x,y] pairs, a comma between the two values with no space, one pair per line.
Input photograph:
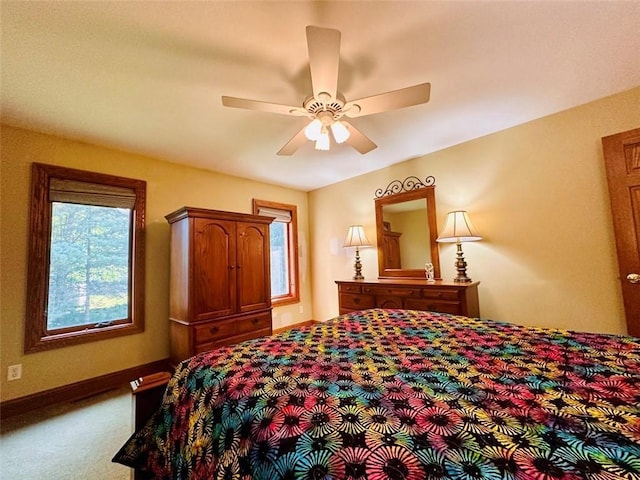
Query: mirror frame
[428,193]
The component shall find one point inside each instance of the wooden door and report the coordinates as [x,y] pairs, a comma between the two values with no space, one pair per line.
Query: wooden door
[391,247]
[213,268]
[622,161]
[253,275]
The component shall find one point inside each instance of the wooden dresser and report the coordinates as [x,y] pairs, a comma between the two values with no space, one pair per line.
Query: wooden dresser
[411,294]
[220,284]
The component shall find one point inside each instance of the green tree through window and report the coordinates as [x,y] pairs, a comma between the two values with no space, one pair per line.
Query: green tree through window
[89,265]
[279,258]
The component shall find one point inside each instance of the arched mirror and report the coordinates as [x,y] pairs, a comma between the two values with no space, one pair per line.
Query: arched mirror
[406,229]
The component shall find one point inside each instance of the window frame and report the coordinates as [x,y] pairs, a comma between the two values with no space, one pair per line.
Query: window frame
[37,337]
[293,296]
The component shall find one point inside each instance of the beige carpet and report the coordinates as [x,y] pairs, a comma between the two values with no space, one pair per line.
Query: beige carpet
[68,442]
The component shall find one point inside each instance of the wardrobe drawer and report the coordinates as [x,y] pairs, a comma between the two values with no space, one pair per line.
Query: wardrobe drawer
[206,347]
[211,331]
[356,302]
[252,323]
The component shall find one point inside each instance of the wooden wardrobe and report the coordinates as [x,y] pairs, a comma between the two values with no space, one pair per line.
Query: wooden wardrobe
[220,285]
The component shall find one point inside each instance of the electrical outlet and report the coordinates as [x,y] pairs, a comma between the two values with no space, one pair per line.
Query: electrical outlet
[300,309]
[14,372]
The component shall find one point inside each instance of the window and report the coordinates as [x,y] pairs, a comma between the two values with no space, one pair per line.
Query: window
[283,233]
[86,257]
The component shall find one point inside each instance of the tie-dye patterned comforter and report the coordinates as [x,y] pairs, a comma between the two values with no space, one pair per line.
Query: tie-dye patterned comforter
[393,394]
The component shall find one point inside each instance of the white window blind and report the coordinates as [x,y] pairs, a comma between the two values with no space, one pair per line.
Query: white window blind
[283,216]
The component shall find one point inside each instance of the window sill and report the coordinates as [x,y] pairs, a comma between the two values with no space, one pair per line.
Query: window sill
[49,342]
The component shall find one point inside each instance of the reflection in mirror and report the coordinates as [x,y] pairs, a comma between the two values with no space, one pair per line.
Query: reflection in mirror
[405,232]
[406,229]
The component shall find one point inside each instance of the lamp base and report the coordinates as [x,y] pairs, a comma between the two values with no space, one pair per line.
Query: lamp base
[461,266]
[460,279]
[358,267]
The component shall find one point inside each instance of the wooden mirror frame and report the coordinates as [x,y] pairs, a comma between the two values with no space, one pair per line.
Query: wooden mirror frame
[428,193]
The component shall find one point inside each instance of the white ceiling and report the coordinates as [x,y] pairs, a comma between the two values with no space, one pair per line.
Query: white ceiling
[147,77]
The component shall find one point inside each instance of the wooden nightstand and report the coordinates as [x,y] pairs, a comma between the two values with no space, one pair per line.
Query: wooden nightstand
[147,395]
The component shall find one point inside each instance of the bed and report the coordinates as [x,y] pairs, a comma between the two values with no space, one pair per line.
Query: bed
[401,394]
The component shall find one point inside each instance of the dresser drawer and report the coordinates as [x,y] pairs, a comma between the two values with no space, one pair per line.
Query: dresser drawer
[384,301]
[356,302]
[440,294]
[350,288]
[433,306]
[391,291]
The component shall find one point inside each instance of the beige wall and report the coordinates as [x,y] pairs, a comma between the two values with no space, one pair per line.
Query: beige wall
[169,186]
[538,195]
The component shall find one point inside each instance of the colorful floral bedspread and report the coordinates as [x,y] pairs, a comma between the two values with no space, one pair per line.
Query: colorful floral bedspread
[392,394]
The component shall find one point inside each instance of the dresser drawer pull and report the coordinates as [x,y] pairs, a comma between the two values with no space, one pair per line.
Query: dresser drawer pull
[255,320]
[214,330]
[356,300]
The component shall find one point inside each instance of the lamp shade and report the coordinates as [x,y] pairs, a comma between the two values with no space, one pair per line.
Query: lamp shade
[356,237]
[322,142]
[458,228]
[340,132]
[312,131]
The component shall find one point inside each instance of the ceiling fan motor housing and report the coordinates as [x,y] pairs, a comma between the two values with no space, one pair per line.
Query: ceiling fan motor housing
[315,107]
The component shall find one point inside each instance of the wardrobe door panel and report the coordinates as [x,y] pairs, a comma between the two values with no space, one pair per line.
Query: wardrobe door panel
[253,275]
[213,268]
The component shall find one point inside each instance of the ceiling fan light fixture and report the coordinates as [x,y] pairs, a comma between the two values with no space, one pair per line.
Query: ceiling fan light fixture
[313,130]
[340,132]
[326,105]
[322,143]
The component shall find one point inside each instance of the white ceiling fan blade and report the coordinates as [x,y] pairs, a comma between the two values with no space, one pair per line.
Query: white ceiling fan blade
[324,60]
[359,140]
[263,106]
[405,97]
[294,144]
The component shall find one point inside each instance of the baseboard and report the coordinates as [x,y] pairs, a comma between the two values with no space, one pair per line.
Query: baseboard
[79,390]
[297,325]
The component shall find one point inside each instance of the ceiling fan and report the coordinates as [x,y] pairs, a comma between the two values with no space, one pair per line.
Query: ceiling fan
[327,107]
